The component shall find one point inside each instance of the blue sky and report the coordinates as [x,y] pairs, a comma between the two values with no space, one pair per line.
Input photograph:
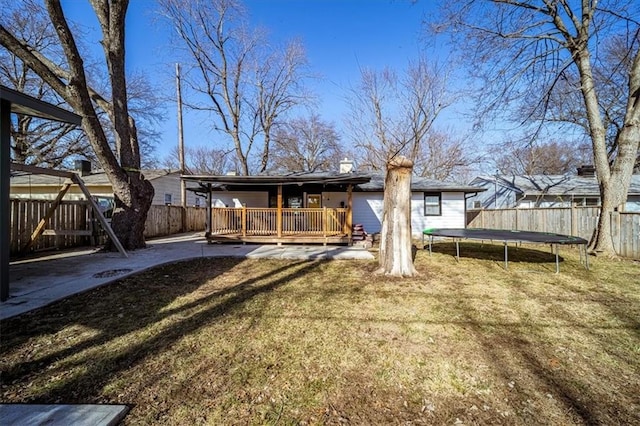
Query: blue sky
[340,37]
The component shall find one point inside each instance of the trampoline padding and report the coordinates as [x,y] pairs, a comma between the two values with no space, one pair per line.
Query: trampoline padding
[505,235]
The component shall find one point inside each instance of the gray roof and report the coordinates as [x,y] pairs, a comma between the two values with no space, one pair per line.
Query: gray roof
[551,184]
[362,181]
[420,184]
[96,178]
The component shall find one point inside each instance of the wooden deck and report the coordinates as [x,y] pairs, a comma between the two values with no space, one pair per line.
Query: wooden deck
[281,226]
[271,239]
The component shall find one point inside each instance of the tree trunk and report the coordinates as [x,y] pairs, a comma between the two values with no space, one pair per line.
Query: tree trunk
[613,178]
[613,191]
[133,200]
[396,255]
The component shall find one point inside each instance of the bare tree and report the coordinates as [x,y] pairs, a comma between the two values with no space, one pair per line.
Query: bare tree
[530,51]
[236,76]
[396,252]
[50,144]
[133,193]
[202,160]
[550,158]
[443,157]
[306,145]
[34,141]
[392,115]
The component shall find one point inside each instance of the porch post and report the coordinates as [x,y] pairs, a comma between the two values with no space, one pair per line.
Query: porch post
[349,211]
[279,213]
[207,228]
[244,220]
[5,188]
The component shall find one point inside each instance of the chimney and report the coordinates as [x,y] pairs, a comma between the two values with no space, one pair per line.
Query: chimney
[83,167]
[346,166]
[586,171]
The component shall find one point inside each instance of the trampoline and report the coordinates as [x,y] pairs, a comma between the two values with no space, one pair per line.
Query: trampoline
[507,236]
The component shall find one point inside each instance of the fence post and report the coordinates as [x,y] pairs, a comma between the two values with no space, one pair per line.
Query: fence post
[574,219]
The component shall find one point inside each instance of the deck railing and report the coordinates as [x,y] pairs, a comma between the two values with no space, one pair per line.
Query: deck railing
[264,221]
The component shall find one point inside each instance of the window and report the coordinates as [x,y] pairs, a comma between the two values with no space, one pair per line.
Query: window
[432,204]
[167,199]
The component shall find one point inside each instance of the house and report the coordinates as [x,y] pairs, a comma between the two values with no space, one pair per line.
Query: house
[318,207]
[503,191]
[39,186]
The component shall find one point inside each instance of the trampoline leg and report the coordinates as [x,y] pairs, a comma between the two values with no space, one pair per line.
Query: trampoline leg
[586,257]
[430,241]
[506,256]
[557,262]
[457,251]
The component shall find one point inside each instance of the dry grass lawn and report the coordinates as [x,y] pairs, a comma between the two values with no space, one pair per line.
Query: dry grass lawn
[233,341]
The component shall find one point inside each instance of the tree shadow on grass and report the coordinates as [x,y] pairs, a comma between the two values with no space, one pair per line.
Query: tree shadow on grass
[495,252]
[536,365]
[143,304]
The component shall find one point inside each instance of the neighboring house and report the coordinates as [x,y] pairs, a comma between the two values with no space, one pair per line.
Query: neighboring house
[37,186]
[504,191]
[344,198]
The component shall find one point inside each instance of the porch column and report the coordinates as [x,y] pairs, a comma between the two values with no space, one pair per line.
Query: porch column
[349,211]
[5,215]
[279,213]
[207,228]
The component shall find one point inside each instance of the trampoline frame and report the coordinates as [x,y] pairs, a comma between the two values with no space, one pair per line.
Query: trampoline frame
[505,236]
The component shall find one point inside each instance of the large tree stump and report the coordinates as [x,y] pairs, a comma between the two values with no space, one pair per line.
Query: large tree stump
[396,257]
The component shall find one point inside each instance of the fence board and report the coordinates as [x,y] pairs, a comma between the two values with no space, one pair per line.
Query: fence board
[577,221]
[73,223]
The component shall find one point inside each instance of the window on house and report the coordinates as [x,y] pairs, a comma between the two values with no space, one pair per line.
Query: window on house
[591,202]
[197,201]
[432,204]
[167,198]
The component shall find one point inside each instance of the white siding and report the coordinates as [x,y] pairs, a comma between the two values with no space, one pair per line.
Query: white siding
[367,210]
[237,199]
[170,184]
[452,213]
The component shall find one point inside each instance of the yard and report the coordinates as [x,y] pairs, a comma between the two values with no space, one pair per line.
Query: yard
[233,341]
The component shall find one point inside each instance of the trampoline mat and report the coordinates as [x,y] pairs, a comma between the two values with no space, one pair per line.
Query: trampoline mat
[505,235]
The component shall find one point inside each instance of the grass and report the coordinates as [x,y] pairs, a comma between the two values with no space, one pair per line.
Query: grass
[233,341]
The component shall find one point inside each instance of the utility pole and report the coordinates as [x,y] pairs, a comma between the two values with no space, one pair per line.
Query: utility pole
[183,184]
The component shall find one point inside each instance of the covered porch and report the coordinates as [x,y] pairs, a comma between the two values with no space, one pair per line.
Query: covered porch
[294,208]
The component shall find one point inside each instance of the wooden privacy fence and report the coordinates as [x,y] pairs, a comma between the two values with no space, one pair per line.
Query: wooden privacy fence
[577,221]
[68,227]
[73,224]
